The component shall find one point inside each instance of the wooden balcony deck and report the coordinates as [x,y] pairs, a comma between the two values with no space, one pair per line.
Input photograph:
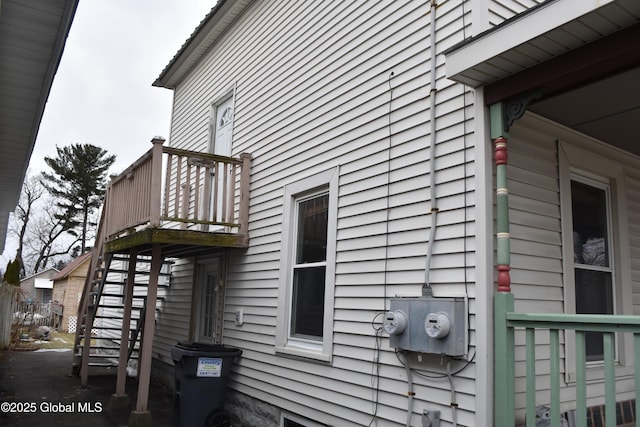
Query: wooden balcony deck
[189,202]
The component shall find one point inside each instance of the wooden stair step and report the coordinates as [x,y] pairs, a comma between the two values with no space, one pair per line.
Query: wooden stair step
[105,356]
[99,355]
[102,316]
[102,347]
[97,364]
[99,338]
[109,328]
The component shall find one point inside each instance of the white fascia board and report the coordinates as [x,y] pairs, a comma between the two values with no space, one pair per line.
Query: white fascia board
[516,32]
[43,283]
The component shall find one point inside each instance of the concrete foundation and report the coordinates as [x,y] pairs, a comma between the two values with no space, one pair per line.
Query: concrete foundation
[140,419]
[246,411]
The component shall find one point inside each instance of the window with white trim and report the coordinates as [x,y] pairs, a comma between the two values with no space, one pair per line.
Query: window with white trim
[592,254]
[208,301]
[595,248]
[307,266]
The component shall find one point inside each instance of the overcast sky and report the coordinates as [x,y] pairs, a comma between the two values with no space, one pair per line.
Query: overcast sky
[102,93]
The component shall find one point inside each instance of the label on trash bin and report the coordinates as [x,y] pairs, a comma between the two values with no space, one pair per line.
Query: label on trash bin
[209,367]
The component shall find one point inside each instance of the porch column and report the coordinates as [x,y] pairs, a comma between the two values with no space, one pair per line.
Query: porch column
[504,371]
[120,399]
[156,182]
[141,416]
[245,177]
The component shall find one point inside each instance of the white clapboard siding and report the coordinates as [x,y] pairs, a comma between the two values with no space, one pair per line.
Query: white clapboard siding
[632,184]
[172,322]
[314,91]
[535,229]
[111,317]
[501,10]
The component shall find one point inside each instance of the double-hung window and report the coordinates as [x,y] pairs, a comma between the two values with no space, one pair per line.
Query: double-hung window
[305,302]
[592,257]
[309,268]
[596,247]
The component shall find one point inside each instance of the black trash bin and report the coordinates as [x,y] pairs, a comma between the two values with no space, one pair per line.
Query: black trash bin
[201,374]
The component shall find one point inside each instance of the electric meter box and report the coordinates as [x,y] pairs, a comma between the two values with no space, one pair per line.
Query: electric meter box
[425,324]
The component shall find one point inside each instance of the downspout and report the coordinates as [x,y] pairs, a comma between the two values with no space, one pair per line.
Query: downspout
[426,288]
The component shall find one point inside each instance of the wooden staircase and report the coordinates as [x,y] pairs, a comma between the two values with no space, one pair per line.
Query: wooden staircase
[103,310]
[163,206]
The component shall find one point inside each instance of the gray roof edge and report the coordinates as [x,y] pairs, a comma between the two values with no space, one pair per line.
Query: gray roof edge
[179,64]
[54,63]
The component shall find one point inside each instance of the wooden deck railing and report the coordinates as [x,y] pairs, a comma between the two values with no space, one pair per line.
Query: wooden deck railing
[507,321]
[170,187]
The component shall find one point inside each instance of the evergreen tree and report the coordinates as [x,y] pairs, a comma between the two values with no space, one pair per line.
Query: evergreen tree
[79,180]
[12,275]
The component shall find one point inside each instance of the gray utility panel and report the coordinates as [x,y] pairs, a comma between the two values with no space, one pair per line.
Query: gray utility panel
[427,325]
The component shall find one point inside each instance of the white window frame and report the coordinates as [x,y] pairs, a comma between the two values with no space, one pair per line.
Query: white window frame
[576,163]
[286,344]
[201,270]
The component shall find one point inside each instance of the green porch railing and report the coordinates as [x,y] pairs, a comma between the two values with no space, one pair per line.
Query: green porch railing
[507,321]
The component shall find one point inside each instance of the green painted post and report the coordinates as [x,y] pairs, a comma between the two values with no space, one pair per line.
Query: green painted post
[531,376]
[554,358]
[608,341]
[581,379]
[636,363]
[504,364]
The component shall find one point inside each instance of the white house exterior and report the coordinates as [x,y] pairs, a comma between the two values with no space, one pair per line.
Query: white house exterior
[370,127]
[336,99]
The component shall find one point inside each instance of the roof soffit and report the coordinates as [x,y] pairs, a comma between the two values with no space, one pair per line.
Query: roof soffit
[584,73]
[548,30]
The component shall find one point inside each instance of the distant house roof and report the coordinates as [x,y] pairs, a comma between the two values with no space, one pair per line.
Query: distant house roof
[51,270]
[71,267]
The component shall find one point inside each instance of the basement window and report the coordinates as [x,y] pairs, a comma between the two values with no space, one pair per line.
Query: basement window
[290,420]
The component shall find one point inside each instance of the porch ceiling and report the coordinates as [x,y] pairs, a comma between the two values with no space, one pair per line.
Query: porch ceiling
[587,68]
[608,110]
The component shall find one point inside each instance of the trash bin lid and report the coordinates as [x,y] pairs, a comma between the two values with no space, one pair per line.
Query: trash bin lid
[196,346]
[193,349]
